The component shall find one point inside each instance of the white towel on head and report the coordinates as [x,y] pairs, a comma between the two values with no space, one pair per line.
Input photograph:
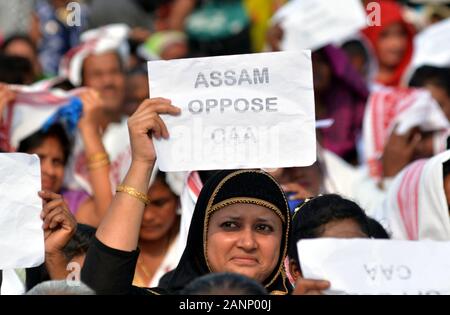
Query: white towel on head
[93,42]
[416,207]
[404,108]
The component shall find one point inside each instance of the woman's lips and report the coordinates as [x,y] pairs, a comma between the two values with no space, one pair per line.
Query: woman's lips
[244,261]
[47,184]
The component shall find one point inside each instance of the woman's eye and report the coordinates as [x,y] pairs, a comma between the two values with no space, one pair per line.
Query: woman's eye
[229,225]
[264,228]
[159,203]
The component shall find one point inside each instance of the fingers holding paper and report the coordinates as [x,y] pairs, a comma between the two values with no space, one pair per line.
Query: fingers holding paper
[310,287]
[145,124]
[59,223]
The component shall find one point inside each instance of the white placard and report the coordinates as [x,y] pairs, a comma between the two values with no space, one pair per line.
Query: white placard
[21,234]
[242,111]
[368,266]
[311,24]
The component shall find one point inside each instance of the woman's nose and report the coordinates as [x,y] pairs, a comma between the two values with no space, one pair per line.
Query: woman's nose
[247,240]
[47,167]
[148,215]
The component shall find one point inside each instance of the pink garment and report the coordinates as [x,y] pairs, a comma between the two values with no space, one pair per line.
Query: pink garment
[74,199]
[401,107]
[416,207]
[345,101]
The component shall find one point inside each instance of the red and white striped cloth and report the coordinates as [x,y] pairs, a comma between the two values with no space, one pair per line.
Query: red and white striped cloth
[401,107]
[32,107]
[416,207]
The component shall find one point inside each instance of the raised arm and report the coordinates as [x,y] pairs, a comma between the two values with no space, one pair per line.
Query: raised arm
[121,225]
[98,162]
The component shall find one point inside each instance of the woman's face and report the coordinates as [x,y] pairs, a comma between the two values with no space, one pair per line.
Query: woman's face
[160,215]
[309,178]
[244,239]
[51,155]
[392,45]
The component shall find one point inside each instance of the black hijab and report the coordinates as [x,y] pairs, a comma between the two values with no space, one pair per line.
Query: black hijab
[223,189]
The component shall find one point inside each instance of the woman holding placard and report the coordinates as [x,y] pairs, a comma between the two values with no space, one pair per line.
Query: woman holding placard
[241,222]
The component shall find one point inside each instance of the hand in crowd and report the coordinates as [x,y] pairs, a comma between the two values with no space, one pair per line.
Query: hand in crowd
[274,37]
[298,191]
[146,123]
[92,107]
[59,224]
[310,287]
[6,96]
[398,152]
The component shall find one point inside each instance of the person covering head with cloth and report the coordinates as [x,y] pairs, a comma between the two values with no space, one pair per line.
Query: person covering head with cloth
[392,42]
[241,222]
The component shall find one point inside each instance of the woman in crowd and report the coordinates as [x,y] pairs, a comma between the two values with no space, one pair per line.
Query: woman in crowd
[241,222]
[392,42]
[416,206]
[437,81]
[324,216]
[340,94]
[23,46]
[400,126]
[53,148]
[158,236]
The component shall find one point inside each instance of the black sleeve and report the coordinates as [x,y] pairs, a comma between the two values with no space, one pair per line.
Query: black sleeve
[35,276]
[110,271]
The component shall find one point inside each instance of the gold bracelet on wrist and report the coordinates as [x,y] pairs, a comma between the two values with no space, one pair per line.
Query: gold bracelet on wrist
[97,165]
[134,193]
[98,157]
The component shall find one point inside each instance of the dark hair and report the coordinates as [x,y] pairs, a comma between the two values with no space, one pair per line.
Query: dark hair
[431,75]
[446,168]
[355,47]
[140,69]
[37,138]
[19,37]
[310,218]
[14,69]
[80,241]
[376,230]
[224,283]
[78,245]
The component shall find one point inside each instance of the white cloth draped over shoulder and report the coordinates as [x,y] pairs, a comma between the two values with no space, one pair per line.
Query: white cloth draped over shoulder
[416,207]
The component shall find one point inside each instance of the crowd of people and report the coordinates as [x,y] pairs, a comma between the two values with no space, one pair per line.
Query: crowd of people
[382,168]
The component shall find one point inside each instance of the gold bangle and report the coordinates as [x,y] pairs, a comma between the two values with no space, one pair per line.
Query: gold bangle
[134,193]
[99,164]
[98,157]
